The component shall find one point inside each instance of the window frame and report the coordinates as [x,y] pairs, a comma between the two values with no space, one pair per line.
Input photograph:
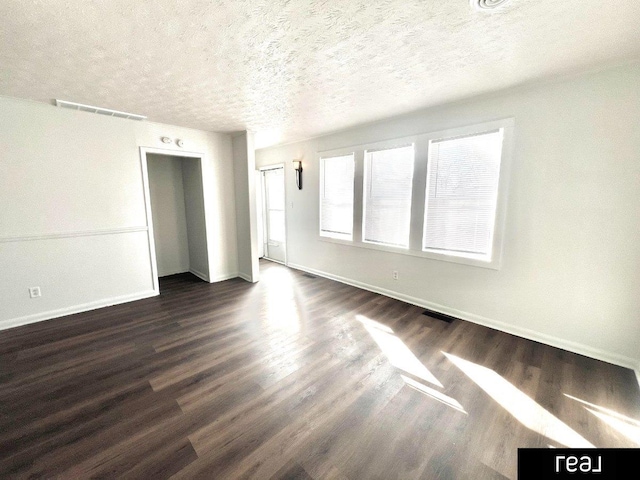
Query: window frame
[495,262]
[419,191]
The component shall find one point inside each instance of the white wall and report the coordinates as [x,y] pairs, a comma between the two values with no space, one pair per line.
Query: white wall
[570,274]
[195,216]
[246,215]
[72,208]
[169,214]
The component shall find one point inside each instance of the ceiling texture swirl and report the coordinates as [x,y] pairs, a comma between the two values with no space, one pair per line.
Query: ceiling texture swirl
[290,70]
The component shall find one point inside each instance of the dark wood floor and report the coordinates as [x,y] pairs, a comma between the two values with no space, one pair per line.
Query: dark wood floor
[293,377]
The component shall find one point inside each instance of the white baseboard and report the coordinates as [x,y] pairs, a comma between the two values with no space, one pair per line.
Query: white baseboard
[199,274]
[39,317]
[246,277]
[223,277]
[487,322]
[216,278]
[275,261]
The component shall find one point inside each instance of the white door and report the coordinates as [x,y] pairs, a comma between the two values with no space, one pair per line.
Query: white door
[274,214]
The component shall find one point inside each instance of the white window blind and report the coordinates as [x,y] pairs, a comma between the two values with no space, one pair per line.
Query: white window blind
[388,179]
[462,192]
[336,196]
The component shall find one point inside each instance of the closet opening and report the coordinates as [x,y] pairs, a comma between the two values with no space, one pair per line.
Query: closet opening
[175,214]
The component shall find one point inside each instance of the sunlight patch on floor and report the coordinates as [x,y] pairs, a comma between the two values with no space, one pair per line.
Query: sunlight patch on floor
[519,405]
[281,306]
[627,426]
[367,322]
[396,351]
[441,397]
[632,432]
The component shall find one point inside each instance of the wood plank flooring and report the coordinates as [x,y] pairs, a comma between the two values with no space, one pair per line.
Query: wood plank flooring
[293,377]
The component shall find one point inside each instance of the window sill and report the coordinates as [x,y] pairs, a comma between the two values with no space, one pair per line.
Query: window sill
[472,262]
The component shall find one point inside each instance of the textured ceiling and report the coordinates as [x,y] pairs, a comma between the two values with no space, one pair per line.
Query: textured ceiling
[293,69]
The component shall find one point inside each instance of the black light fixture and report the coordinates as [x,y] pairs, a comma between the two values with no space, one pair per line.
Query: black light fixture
[297,166]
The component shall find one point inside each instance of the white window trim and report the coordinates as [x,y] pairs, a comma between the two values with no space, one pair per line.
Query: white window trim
[495,263]
[421,142]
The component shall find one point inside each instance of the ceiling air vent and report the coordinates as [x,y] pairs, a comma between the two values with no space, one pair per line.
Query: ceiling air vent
[100,110]
[488,5]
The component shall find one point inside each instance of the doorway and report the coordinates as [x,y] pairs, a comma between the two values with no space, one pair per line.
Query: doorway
[175,214]
[274,231]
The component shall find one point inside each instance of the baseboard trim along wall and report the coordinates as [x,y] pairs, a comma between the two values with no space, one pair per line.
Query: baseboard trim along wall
[223,277]
[39,317]
[219,278]
[487,322]
[244,276]
[85,307]
[199,274]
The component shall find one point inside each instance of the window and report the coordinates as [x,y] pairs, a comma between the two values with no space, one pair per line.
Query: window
[461,195]
[439,195]
[274,205]
[388,178]
[336,196]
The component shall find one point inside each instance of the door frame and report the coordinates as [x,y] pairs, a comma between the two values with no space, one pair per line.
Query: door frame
[275,166]
[149,214]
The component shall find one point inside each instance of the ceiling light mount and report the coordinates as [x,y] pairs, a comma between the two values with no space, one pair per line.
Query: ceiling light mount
[488,5]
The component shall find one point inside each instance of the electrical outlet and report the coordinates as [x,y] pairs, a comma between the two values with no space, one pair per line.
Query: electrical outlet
[395,274]
[34,292]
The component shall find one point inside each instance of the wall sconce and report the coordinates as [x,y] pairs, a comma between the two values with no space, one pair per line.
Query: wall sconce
[297,166]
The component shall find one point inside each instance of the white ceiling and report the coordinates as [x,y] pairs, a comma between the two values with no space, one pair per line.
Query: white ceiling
[292,69]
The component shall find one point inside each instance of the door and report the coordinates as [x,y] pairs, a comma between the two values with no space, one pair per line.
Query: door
[275,239]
